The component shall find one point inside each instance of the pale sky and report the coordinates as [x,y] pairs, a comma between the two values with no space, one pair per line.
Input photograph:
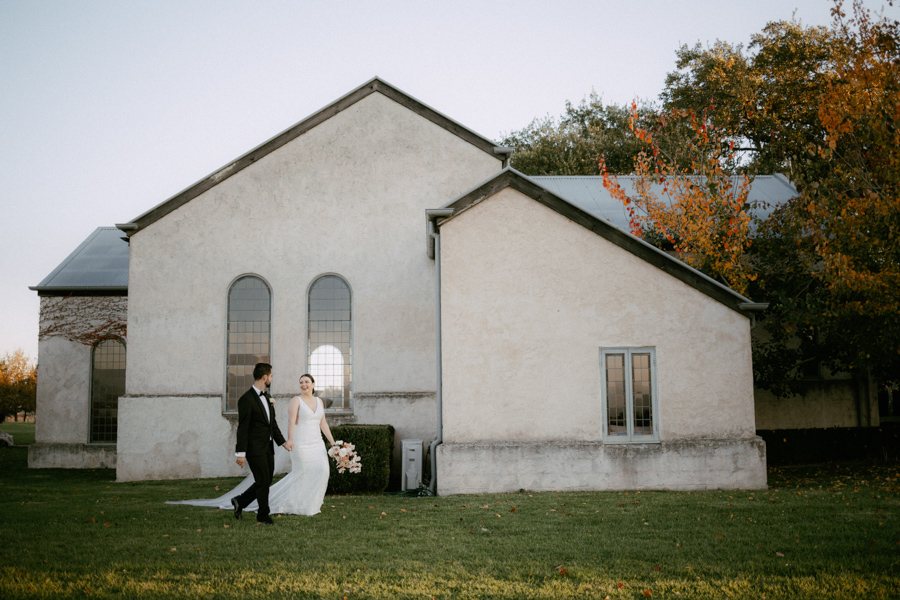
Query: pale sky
[108,108]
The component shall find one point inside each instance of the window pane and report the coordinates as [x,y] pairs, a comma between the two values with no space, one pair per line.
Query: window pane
[641,394]
[615,394]
[249,317]
[107,384]
[330,325]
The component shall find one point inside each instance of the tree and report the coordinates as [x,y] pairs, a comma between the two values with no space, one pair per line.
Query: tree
[767,96]
[850,203]
[700,209]
[18,384]
[823,104]
[828,261]
[573,144]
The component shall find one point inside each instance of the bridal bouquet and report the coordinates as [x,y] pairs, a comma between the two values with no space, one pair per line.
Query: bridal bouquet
[344,454]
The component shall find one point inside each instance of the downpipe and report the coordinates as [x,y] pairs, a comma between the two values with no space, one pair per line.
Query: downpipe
[435,237]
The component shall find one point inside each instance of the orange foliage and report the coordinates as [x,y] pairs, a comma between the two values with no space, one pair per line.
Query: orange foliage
[854,211]
[700,209]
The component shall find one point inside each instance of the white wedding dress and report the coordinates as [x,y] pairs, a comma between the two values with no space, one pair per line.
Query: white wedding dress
[300,492]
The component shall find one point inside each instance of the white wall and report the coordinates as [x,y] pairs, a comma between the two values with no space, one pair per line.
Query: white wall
[347,197]
[529,298]
[62,415]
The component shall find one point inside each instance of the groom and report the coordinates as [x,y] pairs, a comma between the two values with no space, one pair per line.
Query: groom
[256,430]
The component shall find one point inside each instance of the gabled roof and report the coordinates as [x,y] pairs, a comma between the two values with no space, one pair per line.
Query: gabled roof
[98,266]
[370,87]
[509,177]
[767,192]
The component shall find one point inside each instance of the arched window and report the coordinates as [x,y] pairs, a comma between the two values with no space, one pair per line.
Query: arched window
[249,335]
[107,384]
[330,341]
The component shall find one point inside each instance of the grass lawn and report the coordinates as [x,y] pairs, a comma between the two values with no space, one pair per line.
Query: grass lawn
[817,532]
[23,433]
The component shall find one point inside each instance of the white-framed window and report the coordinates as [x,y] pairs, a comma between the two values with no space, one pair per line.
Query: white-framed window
[630,399]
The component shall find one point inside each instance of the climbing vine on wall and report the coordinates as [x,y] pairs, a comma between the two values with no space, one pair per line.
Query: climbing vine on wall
[84,319]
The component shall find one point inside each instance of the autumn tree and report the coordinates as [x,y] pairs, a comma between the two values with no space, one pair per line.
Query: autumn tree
[692,199]
[573,143]
[766,95]
[828,262]
[847,221]
[18,384]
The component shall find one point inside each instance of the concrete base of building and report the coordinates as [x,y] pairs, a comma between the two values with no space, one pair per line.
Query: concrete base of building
[72,456]
[696,464]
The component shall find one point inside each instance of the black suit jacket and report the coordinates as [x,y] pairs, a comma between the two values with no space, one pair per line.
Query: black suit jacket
[254,430]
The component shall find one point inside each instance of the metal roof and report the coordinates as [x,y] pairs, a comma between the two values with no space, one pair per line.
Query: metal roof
[100,263]
[587,193]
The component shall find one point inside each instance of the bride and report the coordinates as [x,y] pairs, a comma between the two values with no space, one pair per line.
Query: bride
[302,491]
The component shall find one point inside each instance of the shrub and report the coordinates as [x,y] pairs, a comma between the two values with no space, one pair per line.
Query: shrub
[375,446]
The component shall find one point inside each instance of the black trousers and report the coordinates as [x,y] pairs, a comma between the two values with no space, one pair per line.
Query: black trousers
[263,468]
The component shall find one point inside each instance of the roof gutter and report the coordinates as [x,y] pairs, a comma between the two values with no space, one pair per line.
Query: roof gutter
[504,151]
[753,308]
[434,251]
[128,228]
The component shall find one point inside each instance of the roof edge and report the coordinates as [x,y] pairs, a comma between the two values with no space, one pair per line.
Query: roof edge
[376,84]
[80,290]
[509,177]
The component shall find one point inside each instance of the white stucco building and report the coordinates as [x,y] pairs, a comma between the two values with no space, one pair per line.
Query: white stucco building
[574,355]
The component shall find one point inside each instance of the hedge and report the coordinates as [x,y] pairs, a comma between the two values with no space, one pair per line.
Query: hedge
[375,447]
[803,446]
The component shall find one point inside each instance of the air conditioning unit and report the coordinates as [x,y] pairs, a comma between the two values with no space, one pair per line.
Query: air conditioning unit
[411,469]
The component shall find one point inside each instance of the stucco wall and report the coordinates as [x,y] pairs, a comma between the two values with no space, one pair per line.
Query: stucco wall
[63,392]
[529,298]
[826,403]
[347,197]
[203,443]
[62,414]
[150,447]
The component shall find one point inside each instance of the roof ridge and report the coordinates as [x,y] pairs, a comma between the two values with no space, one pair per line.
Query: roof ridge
[376,84]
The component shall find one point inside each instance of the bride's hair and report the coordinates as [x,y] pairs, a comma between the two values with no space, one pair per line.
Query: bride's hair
[311,379]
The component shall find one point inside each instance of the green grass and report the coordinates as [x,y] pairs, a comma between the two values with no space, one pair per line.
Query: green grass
[23,433]
[815,533]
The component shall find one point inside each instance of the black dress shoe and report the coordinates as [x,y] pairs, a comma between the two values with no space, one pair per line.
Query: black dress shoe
[237,509]
[266,522]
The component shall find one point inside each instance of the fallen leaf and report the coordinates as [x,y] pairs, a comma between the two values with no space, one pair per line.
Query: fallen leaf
[779,554]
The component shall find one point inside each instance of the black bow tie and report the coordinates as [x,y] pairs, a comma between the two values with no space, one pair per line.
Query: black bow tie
[264,395]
